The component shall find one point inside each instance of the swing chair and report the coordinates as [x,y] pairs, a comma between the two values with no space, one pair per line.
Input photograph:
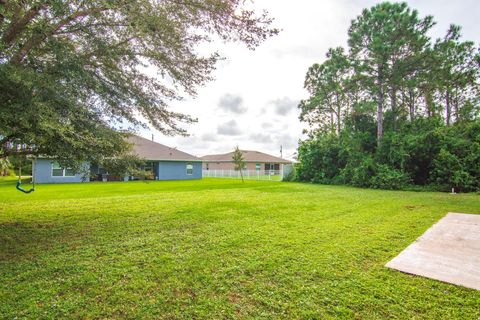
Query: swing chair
[19,182]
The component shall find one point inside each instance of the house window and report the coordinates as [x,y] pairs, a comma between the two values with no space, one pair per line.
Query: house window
[69,172]
[206,166]
[189,169]
[258,166]
[58,171]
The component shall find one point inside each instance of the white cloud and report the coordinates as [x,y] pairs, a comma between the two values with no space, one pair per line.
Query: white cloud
[267,125]
[261,138]
[287,141]
[232,103]
[209,137]
[284,106]
[229,128]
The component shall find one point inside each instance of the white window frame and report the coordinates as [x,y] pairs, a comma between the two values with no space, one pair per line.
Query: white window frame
[189,164]
[64,171]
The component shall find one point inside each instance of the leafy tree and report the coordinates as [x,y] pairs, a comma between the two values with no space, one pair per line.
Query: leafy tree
[457,74]
[239,161]
[73,72]
[383,43]
[410,107]
[125,165]
[327,84]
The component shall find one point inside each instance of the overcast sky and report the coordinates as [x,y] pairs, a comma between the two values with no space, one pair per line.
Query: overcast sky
[253,100]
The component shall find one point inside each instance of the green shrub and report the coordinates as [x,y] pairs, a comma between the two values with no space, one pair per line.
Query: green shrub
[320,159]
[424,153]
[463,181]
[449,172]
[362,174]
[125,165]
[389,178]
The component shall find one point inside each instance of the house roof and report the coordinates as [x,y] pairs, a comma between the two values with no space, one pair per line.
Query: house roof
[151,150]
[248,156]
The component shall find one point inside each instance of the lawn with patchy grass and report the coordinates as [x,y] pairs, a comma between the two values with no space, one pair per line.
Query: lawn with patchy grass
[219,249]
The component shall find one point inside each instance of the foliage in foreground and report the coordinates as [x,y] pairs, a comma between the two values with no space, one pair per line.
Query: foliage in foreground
[5,167]
[73,72]
[220,249]
[397,109]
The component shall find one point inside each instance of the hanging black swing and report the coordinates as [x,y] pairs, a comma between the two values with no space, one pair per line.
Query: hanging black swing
[19,182]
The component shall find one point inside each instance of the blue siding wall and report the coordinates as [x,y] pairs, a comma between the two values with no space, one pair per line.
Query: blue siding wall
[42,170]
[177,170]
[166,170]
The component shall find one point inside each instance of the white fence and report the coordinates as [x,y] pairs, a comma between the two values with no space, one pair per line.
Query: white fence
[273,175]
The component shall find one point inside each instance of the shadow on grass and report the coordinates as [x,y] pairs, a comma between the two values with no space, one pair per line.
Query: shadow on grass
[27,240]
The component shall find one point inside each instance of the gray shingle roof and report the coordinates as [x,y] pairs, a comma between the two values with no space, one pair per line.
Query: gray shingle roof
[248,155]
[150,150]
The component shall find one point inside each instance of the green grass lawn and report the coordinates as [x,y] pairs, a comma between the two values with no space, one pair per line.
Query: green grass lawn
[220,249]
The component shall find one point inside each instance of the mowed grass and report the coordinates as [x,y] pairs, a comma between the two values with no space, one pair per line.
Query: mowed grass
[220,249]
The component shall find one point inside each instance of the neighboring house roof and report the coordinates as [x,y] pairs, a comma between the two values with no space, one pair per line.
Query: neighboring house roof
[150,150]
[248,156]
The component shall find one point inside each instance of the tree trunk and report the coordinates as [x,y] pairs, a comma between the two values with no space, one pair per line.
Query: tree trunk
[429,104]
[338,123]
[338,115]
[411,104]
[393,98]
[332,122]
[455,107]
[380,115]
[18,25]
[447,107]
[379,105]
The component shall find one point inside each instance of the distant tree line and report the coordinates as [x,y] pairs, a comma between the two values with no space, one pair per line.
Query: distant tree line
[396,108]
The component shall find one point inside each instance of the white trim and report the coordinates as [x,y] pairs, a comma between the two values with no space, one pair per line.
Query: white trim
[65,173]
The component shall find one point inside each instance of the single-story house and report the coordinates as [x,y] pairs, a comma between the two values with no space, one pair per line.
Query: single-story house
[254,161]
[164,162]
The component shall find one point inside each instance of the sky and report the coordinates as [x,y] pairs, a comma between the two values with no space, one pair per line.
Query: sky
[253,100]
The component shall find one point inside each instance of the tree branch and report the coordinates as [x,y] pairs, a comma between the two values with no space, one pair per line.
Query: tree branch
[36,39]
[18,26]
[3,3]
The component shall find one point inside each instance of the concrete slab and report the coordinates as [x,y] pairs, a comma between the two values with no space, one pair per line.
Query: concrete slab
[449,251]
